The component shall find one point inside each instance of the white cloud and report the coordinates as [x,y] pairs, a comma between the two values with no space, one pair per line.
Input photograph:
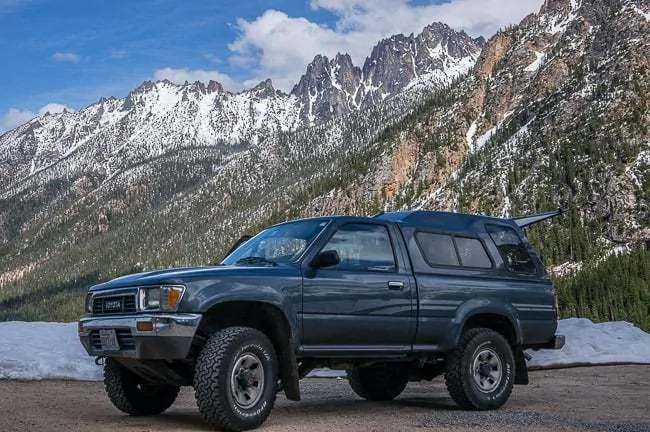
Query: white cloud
[212,58]
[54,108]
[15,117]
[278,46]
[65,57]
[179,76]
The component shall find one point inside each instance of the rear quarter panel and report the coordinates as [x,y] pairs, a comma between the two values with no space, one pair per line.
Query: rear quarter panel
[449,296]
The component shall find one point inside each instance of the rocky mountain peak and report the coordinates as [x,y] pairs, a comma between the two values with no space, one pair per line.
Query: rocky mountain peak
[480,41]
[264,89]
[146,86]
[214,86]
[563,6]
[434,57]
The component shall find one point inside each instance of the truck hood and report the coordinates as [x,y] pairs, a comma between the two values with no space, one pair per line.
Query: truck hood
[183,275]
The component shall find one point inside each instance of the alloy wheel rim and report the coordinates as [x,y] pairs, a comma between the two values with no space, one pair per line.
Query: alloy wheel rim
[487,370]
[247,380]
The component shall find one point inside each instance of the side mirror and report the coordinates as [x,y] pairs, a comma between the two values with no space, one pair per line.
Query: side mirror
[326,258]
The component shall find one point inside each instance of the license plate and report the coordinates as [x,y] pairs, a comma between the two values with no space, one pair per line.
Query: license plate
[108,339]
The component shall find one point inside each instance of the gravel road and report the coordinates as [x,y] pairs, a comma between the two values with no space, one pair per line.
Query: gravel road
[612,398]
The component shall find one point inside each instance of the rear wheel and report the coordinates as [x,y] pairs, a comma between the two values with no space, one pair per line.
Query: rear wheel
[132,394]
[381,382]
[235,380]
[480,371]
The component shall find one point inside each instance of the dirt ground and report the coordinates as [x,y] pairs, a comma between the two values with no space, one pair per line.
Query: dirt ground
[612,398]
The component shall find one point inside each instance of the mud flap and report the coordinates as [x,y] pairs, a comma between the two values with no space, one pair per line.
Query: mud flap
[521,369]
[289,374]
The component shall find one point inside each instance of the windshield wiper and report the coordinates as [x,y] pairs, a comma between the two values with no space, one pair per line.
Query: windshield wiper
[255,260]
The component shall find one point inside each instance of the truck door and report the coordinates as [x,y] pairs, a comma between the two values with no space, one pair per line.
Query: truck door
[364,304]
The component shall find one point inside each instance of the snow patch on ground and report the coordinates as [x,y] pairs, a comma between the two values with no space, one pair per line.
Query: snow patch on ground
[482,140]
[560,22]
[645,15]
[43,350]
[618,250]
[591,343]
[469,136]
[566,269]
[539,61]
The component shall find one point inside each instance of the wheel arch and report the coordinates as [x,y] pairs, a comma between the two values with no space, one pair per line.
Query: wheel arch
[265,317]
[498,322]
[501,318]
[498,316]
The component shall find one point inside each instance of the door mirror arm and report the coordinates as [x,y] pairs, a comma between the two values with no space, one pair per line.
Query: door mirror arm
[328,258]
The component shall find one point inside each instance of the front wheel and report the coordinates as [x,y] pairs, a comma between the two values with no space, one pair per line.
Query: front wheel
[132,394]
[381,382]
[235,379]
[480,371]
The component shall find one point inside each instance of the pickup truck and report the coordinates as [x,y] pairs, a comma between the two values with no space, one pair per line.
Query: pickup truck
[393,298]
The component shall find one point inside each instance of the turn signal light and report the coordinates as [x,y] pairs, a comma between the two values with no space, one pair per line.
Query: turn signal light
[144,326]
[174,294]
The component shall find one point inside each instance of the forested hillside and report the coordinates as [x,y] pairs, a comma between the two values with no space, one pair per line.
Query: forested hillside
[616,289]
[555,112]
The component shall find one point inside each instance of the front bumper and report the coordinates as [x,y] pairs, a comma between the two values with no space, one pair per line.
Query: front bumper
[170,338]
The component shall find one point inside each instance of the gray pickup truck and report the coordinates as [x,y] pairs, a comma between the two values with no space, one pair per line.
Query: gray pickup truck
[393,298]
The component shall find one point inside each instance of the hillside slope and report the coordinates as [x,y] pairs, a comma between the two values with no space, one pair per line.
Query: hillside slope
[555,112]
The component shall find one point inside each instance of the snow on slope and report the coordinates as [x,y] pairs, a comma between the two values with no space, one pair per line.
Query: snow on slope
[41,350]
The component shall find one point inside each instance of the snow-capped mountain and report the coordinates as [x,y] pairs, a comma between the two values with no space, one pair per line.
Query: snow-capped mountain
[552,112]
[155,118]
[158,117]
[430,60]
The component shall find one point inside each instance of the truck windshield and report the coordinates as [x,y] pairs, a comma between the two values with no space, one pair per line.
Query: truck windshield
[278,244]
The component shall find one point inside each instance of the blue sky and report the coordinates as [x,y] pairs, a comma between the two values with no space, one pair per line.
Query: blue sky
[70,53]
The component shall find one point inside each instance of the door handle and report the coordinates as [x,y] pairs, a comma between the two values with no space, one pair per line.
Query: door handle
[395,285]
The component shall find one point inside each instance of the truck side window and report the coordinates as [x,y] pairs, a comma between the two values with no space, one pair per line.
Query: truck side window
[437,249]
[512,249]
[363,247]
[472,253]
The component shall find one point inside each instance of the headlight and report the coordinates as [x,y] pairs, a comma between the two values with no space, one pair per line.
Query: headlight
[89,303]
[164,298]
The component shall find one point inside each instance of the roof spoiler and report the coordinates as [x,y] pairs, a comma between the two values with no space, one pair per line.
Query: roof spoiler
[524,221]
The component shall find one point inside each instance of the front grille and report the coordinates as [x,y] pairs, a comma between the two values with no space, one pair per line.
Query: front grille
[124,339]
[114,304]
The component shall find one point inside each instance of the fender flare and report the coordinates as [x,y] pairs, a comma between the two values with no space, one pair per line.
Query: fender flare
[478,306]
[287,360]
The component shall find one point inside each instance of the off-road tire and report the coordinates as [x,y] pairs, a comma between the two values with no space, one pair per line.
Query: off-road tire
[132,394]
[212,379]
[381,382]
[462,386]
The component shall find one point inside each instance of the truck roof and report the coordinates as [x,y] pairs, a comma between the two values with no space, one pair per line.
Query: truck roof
[441,220]
[446,221]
